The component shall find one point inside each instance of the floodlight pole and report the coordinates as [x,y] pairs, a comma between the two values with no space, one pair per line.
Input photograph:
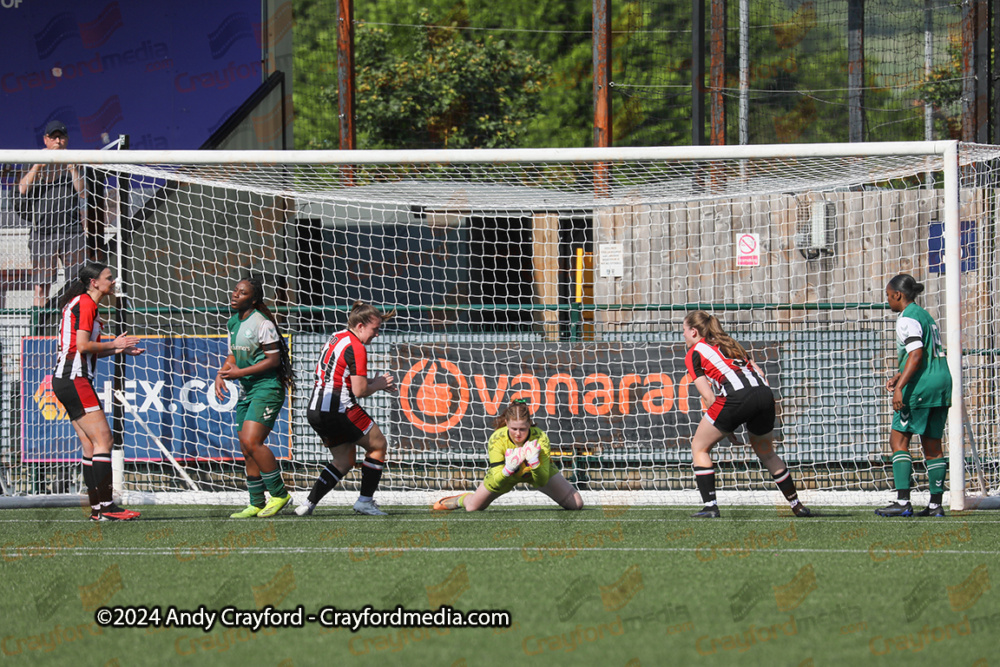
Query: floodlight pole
[345,73]
[975,71]
[698,73]
[744,73]
[717,73]
[602,91]
[602,73]
[855,69]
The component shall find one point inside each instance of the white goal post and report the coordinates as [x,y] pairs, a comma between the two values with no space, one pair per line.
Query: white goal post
[558,275]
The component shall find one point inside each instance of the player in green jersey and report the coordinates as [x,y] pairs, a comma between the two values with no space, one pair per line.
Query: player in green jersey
[259,359]
[921,396]
[518,452]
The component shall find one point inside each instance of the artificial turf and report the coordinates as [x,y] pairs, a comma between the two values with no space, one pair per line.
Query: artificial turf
[609,586]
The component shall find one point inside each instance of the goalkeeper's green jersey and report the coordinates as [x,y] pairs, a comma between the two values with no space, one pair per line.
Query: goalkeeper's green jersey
[930,386]
[499,443]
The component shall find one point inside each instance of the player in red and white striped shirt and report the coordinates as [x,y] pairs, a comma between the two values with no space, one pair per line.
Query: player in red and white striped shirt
[735,392]
[80,346]
[342,424]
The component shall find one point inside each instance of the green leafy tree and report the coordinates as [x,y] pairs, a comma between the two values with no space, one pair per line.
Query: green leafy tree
[652,72]
[942,90]
[799,83]
[315,62]
[441,90]
[553,32]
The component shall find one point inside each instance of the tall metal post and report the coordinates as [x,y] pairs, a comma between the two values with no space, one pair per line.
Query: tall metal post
[744,115]
[994,17]
[697,72]
[602,92]
[345,72]
[982,50]
[718,73]
[602,73]
[856,69]
[928,65]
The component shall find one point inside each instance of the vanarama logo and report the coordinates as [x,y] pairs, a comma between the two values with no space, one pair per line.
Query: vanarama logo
[431,401]
[46,400]
[442,387]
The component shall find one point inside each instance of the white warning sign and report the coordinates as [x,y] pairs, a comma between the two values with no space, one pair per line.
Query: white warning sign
[748,250]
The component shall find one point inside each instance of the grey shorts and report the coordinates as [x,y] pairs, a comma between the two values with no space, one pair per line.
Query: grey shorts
[48,251]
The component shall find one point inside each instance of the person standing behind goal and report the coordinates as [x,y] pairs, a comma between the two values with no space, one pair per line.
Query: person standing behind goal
[342,424]
[57,232]
[715,359]
[259,359]
[921,396]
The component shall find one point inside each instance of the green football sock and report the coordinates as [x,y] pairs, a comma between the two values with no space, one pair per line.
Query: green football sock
[902,467]
[274,483]
[937,469]
[255,485]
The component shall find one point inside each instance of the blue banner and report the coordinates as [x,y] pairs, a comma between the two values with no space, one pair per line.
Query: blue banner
[170,386]
[166,73]
[935,246]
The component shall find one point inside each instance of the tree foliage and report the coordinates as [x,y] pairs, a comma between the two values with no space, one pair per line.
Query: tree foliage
[942,90]
[520,73]
[441,90]
[314,63]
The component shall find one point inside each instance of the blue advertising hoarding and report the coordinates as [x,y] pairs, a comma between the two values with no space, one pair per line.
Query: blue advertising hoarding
[166,73]
[171,386]
[935,247]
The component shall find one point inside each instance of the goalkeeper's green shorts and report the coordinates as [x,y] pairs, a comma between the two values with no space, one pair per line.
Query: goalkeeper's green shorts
[539,477]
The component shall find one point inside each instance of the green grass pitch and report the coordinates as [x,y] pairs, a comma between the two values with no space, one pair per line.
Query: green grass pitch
[605,586]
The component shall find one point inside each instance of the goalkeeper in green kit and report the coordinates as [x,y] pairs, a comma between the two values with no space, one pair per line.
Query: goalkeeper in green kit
[921,396]
[518,452]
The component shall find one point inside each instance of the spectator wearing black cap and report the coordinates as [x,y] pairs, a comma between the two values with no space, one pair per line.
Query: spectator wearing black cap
[54,192]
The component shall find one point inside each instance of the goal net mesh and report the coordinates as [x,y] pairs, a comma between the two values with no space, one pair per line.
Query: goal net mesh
[564,283]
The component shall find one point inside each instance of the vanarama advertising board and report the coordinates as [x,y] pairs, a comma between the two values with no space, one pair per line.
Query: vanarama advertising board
[585,394]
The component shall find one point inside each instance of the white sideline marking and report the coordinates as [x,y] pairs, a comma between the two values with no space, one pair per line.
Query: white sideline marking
[498,514]
[193,551]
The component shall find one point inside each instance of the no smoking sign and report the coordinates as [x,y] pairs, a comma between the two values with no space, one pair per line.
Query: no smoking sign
[748,250]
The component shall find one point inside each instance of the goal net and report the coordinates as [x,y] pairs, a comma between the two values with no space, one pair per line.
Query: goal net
[558,276]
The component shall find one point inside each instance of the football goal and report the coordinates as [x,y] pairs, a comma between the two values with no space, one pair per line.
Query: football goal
[558,276]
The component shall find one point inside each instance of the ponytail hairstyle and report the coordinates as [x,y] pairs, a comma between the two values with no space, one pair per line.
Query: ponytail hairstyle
[708,327]
[285,373]
[518,410]
[89,271]
[363,313]
[907,285]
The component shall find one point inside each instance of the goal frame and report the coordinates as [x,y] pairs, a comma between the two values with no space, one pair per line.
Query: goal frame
[948,151]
